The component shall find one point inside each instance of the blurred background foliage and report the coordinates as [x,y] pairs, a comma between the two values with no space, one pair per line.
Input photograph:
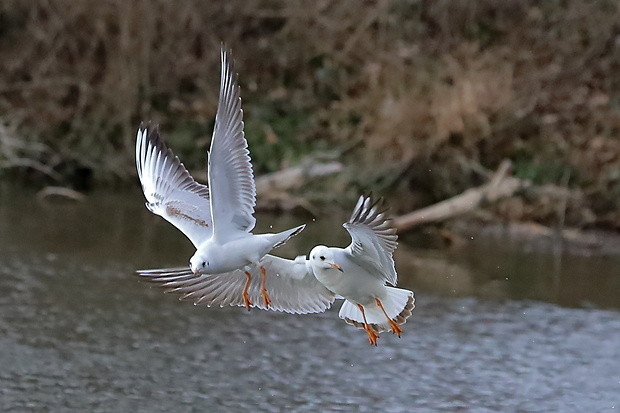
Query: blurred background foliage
[418,98]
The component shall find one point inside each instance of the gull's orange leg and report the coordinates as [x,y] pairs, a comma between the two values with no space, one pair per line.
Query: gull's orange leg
[246,297]
[395,327]
[263,290]
[372,334]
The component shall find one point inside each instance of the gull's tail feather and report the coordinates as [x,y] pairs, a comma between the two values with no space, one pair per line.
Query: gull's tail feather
[282,237]
[398,304]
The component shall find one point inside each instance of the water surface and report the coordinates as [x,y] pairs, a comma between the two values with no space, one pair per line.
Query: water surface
[499,326]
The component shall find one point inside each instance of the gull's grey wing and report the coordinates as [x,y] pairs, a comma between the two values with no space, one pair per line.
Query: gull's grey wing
[291,285]
[373,238]
[169,189]
[233,194]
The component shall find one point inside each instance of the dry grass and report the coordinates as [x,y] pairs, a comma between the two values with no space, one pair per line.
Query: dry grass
[421,95]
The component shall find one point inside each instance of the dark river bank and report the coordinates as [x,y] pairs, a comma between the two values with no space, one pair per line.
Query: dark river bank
[500,325]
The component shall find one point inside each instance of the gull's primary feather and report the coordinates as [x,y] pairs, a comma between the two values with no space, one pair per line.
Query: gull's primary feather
[292,286]
[230,172]
[170,190]
[373,238]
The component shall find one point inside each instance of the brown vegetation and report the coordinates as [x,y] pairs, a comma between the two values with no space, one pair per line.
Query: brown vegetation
[421,98]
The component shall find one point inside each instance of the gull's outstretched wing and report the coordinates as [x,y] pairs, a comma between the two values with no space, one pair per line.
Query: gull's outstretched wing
[233,195]
[373,239]
[290,284]
[170,190]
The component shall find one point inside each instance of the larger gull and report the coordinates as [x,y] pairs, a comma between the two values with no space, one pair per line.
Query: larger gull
[218,220]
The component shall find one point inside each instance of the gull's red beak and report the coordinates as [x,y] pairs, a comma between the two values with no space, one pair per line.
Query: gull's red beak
[338,267]
[196,271]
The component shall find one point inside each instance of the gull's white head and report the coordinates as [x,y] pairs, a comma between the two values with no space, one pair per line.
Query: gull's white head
[199,264]
[323,257]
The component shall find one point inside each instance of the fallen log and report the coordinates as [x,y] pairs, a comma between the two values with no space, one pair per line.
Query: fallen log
[286,179]
[273,189]
[500,185]
[59,192]
[294,177]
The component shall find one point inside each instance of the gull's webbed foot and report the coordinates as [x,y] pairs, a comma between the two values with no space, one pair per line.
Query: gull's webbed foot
[396,329]
[246,297]
[263,291]
[372,334]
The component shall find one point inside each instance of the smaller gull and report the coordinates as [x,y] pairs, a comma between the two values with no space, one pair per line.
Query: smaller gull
[218,218]
[359,273]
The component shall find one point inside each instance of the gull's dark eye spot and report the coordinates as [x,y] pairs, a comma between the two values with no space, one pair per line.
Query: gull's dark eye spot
[204,263]
[322,257]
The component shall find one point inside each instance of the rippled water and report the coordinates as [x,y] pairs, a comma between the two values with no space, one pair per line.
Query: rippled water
[499,326]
